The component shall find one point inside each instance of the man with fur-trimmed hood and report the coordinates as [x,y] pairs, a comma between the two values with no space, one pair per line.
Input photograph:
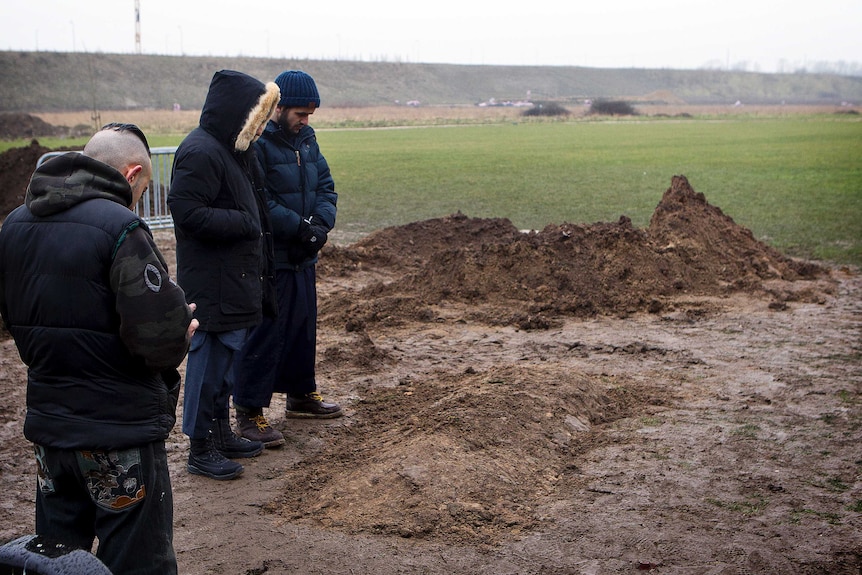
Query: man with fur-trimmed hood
[222,230]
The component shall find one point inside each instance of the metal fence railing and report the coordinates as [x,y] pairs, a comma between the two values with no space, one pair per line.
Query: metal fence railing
[153,207]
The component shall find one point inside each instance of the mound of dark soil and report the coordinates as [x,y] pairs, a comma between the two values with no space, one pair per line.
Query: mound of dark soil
[531,279]
[16,167]
[14,126]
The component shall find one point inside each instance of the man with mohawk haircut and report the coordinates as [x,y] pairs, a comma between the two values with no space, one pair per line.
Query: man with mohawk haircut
[102,328]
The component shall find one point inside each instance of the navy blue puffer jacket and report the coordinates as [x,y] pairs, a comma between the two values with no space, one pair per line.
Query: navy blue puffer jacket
[298,184]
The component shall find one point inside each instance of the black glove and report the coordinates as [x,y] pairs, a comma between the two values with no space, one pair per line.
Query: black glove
[312,234]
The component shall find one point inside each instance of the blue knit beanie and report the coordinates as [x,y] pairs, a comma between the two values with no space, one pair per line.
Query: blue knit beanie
[298,90]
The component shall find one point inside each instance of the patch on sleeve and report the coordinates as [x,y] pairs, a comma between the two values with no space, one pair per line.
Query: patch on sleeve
[153,278]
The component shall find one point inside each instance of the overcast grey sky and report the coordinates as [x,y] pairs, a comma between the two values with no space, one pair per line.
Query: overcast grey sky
[765,35]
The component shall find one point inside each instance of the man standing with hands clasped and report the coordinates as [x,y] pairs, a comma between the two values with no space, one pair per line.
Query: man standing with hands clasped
[222,231]
[102,328]
[279,355]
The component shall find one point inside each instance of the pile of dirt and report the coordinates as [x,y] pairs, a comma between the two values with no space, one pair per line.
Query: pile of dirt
[15,126]
[461,464]
[16,167]
[474,475]
[533,279]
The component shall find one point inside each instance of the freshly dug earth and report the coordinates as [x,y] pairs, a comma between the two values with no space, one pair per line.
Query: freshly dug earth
[16,166]
[14,126]
[587,399]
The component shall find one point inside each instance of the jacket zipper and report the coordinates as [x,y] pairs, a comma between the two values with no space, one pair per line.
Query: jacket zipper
[301,181]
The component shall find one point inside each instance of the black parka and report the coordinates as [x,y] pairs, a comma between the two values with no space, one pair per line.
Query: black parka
[219,222]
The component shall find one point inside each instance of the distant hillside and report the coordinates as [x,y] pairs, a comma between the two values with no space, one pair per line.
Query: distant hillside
[55,81]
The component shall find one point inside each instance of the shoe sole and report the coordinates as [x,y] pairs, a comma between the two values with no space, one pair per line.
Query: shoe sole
[241,454]
[307,415]
[198,471]
[274,443]
[268,444]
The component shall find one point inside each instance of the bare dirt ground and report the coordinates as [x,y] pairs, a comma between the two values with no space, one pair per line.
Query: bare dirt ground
[586,399]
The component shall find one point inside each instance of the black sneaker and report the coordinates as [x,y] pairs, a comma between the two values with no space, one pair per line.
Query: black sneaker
[311,405]
[205,459]
[230,445]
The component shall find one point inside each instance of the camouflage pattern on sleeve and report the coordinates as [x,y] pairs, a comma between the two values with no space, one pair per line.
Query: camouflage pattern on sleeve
[154,316]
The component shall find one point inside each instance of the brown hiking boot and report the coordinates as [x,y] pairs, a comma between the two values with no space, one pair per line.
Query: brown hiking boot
[254,426]
[311,405]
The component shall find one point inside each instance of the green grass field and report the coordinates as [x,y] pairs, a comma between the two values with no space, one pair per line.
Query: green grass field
[795,181]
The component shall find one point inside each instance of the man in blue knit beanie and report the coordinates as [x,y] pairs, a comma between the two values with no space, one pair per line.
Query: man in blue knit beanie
[279,355]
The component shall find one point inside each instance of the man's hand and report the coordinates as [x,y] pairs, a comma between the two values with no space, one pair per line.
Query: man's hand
[193,326]
[312,234]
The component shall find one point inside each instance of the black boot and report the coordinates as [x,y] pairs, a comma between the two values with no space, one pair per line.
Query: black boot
[230,445]
[205,459]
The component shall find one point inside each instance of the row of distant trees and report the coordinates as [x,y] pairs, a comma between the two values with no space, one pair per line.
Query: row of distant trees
[841,67]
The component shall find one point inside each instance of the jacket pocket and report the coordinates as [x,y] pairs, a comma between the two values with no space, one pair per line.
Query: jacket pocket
[115,479]
[240,291]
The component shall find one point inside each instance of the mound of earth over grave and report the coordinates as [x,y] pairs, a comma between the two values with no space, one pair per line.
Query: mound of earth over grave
[467,451]
[530,279]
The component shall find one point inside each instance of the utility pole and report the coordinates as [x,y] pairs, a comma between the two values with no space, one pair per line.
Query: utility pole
[137,26]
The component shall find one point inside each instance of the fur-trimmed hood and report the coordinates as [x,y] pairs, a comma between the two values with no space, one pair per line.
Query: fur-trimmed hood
[236,106]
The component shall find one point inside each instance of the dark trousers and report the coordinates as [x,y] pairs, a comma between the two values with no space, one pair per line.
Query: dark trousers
[122,497]
[279,354]
[209,379]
